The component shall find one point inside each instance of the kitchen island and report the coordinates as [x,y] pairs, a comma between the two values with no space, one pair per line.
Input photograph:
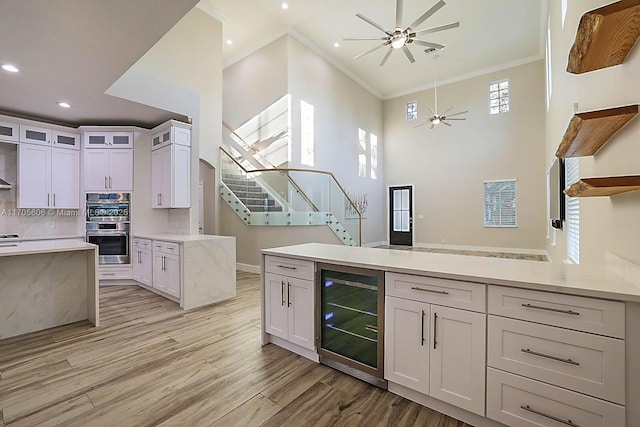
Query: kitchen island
[44,284]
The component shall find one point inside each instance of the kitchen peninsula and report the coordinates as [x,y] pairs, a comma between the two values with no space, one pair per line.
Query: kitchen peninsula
[44,284]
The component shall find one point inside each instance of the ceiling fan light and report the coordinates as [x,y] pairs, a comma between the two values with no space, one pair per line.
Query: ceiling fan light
[436,120]
[398,41]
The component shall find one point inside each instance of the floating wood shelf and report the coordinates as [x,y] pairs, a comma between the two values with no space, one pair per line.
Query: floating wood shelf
[588,132]
[605,36]
[604,186]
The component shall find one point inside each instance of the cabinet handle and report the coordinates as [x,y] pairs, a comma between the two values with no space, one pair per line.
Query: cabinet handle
[551,417]
[54,200]
[288,294]
[415,288]
[163,264]
[557,310]
[435,330]
[282,292]
[559,359]
[139,257]
[422,330]
[106,185]
[48,199]
[286,266]
[109,182]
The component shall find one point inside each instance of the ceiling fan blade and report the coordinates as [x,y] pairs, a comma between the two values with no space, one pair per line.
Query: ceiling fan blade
[432,125]
[422,124]
[427,14]
[456,118]
[370,22]
[447,110]
[407,52]
[436,29]
[428,44]
[456,114]
[371,50]
[432,112]
[386,56]
[364,38]
[398,13]
[443,122]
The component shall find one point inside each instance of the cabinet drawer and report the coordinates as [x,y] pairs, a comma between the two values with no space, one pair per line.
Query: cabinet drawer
[450,293]
[517,401]
[166,247]
[289,267]
[587,363]
[141,244]
[583,314]
[112,273]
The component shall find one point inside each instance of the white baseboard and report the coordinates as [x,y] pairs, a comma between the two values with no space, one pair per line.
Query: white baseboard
[374,244]
[483,249]
[248,268]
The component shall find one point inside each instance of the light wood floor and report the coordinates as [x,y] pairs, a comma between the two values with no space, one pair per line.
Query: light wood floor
[150,363]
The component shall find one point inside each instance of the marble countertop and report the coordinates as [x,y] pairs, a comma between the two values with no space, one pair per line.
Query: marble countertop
[181,238]
[43,246]
[582,280]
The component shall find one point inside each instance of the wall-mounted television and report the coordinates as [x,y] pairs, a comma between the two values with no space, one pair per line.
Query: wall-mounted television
[556,193]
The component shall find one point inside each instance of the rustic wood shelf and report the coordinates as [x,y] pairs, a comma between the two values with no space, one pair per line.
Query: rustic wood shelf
[603,186]
[605,36]
[588,132]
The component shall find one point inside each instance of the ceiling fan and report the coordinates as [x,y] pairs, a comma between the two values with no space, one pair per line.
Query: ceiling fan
[401,37]
[436,118]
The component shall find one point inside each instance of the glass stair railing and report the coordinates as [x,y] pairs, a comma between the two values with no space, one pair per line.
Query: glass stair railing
[281,197]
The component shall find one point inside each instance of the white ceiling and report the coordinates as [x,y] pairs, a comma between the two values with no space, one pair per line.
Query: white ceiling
[73,50]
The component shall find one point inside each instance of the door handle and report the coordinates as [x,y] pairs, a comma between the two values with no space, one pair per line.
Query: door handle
[435,330]
[106,184]
[282,292]
[422,330]
[288,294]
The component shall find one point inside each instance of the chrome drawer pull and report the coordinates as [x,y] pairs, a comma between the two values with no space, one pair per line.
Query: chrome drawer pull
[415,288]
[559,359]
[557,310]
[551,417]
[286,266]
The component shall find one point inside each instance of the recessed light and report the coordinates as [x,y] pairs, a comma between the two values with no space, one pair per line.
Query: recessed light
[64,104]
[229,42]
[285,6]
[10,68]
[336,44]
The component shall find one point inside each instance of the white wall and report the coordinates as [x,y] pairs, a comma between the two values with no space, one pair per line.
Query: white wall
[447,165]
[608,225]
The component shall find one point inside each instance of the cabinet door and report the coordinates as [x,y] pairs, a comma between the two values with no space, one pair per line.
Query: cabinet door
[172,270]
[181,174]
[146,267]
[96,170]
[35,135]
[159,276]
[34,174]
[458,358]
[120,139]
[65,179]
[9,132]
[66,140]
[181,136]
[406,343]
[300,296]
[275,305]
[120,170]
[136,261]
[161,178]
[96,140]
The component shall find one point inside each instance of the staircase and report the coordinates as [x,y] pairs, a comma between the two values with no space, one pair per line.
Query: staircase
[252,196]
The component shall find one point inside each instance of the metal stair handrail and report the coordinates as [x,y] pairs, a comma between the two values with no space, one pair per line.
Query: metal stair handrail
[297,187]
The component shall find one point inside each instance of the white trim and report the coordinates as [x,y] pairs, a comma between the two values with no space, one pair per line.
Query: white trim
[523,251]
[248,268]
[211,11]
[413,211]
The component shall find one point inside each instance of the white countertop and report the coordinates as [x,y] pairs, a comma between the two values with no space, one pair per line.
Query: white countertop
[182,238]
[43,246]
[555,277]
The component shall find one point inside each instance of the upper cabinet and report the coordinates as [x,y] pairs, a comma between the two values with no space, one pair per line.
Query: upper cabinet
[69,140]
[605,36]
[171,165]
[35,134]
[171,135]
[108,170]
[9,132]
[108,139]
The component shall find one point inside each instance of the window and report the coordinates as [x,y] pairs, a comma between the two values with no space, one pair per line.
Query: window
[374,156]
[499,97]
[500,203]
[572,172]
[306,134]
[412,111]
[362,153]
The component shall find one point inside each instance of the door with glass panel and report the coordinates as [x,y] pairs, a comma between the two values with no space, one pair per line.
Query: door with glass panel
[401,215]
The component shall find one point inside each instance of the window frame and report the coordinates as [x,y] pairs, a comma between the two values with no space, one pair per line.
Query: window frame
[503,100]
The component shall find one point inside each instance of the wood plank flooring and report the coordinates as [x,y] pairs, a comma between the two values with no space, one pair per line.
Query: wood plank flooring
[151,363]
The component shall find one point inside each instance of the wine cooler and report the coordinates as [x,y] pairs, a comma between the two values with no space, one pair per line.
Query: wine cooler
[350,324]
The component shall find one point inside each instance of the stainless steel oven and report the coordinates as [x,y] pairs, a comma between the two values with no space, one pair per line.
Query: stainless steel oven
[108,226]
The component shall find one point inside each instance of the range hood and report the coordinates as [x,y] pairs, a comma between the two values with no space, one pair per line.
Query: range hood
[4,185]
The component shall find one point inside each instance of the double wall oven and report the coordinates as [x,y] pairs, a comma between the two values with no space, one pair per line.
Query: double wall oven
[108,224]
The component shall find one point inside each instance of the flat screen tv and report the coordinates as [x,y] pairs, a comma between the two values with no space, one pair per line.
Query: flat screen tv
[556,193]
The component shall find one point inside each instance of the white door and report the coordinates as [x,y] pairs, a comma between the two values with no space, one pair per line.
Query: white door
[159,276]
[181,177]
[300,317]
[276,311]
[161,177]
[34,174]
[172,269]
[146,267]
[406,348]
[136,261]
[458,358]
[65,179]
[96,169]
[121,170]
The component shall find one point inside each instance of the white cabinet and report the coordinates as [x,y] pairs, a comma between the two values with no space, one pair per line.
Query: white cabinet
[171,135]
[171,177]
[69,140]
[166,275]
[435,349]
[48,177]
[289,300]
[35,135]
[142,261]
[108,170]
[108,139]
[9,132]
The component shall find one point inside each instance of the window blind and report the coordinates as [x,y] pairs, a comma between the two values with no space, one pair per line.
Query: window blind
[500,203]
[572,173]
